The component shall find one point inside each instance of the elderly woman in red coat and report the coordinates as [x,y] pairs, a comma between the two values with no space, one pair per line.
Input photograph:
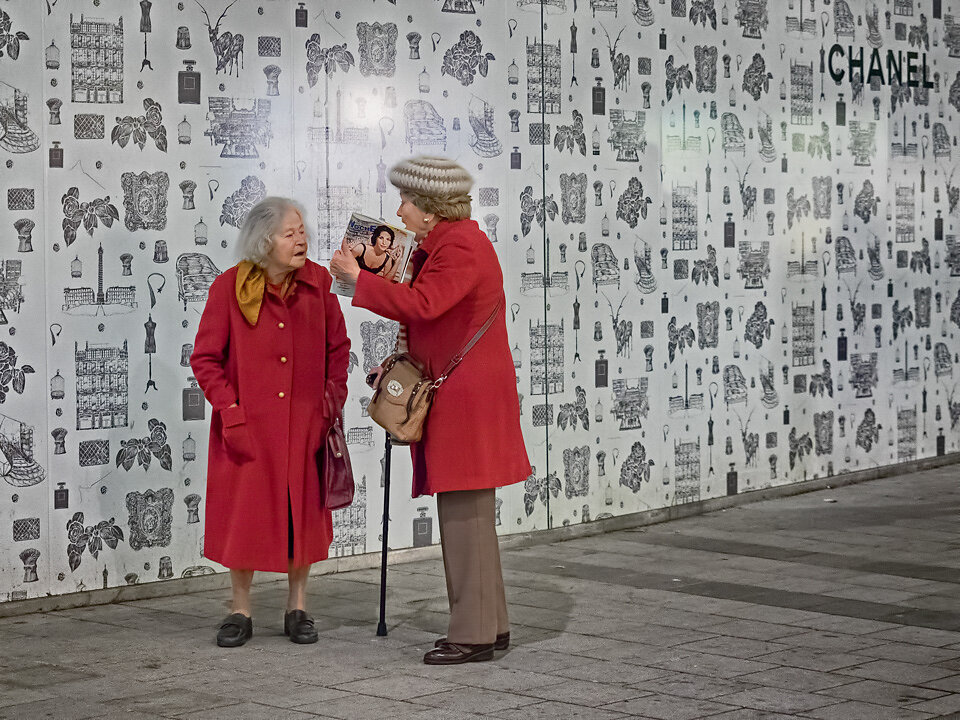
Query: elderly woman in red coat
[471,442]
[271,355]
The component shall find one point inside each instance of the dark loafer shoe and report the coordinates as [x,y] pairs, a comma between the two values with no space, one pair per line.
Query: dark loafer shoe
[455,654]
[502,642]
[299,626]
[235,630]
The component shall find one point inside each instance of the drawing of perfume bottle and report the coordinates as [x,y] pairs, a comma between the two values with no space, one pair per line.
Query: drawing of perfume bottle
[601,371]
[61,497]
[188,84]
[422,529]
[300,16]
[193,403]
[599,95]
[56,155]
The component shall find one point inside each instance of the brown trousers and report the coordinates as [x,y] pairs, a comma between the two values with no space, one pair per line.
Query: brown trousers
[471,563]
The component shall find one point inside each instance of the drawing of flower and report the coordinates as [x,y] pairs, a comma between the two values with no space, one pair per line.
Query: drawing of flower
[141,126]
[325,59]
[10,41]
[235,208]
[465,58]
[92,538]
[144,449]
[10,373]
[88,213]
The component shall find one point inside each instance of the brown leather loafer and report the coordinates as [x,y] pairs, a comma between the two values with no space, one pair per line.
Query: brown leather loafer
[501,643]
[455,654]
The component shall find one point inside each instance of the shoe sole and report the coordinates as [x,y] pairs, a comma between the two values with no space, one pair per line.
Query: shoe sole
[496,646]
[479,657]
[232,644]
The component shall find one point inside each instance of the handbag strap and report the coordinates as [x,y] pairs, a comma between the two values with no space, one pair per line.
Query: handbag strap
[458,358]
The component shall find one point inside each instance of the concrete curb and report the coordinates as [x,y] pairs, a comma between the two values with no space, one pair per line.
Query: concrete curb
[221,581]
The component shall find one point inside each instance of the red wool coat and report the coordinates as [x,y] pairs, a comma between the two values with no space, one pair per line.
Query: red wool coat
[262,452]
[472,437]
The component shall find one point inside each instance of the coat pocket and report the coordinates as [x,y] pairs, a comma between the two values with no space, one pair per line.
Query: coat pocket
[236,437]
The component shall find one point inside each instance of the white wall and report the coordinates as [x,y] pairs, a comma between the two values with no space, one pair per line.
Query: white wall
[664,175]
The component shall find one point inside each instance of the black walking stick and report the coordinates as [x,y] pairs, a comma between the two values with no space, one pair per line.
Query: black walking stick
[382,625]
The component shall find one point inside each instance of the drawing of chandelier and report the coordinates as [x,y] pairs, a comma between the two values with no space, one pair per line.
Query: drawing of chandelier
[114,301]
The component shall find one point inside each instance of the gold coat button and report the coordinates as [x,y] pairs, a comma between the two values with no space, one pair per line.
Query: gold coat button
[283,358]
[280,325]
[280,395]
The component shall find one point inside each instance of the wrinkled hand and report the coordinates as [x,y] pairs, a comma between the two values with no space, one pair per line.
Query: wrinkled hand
[343,265]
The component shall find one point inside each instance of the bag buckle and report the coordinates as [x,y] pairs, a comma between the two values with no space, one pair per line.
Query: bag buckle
[438,382]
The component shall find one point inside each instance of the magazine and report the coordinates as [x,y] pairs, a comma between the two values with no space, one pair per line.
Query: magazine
[379,247]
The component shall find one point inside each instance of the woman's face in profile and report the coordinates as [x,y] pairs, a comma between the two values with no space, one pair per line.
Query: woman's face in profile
[383,241]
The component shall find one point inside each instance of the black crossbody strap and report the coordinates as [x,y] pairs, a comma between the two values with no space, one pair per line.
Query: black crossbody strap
[466,348]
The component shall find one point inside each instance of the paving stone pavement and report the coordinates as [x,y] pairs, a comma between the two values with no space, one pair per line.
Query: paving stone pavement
[837,604]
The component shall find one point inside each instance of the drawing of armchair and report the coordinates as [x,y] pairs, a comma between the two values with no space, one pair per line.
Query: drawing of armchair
[606,270]
[732,133]
[843,23]
[424,124]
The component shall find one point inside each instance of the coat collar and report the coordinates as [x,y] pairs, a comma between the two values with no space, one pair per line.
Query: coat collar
[435,237]
[310,274]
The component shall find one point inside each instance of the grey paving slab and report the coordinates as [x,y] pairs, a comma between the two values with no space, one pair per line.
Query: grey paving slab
[841,610]
[669,707]
[893,671]
[884,693]
[853,710]
[553,710]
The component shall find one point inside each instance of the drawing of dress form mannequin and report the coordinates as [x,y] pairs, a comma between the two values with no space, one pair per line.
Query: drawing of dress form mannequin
[150,347]
[146,26]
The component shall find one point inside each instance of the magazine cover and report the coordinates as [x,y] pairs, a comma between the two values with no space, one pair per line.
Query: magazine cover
[379,248]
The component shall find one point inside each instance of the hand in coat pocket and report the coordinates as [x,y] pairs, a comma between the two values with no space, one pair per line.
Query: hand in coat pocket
[236,438]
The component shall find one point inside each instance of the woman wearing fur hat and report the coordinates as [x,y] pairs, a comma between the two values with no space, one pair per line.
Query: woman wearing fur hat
[471,441]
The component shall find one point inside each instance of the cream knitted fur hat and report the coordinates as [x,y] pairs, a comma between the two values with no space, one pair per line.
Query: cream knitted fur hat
[436,178]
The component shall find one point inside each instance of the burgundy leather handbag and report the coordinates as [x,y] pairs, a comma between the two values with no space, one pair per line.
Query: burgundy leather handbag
[334,469]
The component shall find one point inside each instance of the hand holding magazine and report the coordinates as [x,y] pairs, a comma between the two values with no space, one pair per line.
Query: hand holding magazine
[378,247]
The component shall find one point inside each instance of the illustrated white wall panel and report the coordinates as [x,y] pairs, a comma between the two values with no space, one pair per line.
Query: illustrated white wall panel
[724,270]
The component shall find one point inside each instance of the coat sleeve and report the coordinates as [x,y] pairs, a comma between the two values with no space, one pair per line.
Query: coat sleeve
[337,346]
[211,346]
[444,281]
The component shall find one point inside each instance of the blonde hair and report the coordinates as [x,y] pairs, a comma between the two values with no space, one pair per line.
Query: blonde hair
[457,208]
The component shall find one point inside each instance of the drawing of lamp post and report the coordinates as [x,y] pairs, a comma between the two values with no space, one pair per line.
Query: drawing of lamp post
[326,61]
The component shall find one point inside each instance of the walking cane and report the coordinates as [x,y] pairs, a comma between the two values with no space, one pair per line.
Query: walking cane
[382,625]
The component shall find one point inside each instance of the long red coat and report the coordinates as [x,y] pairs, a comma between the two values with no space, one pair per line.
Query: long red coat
[263,451]
[472,437]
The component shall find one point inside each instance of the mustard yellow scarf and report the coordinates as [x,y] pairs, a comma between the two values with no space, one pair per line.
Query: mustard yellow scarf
[250,286]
